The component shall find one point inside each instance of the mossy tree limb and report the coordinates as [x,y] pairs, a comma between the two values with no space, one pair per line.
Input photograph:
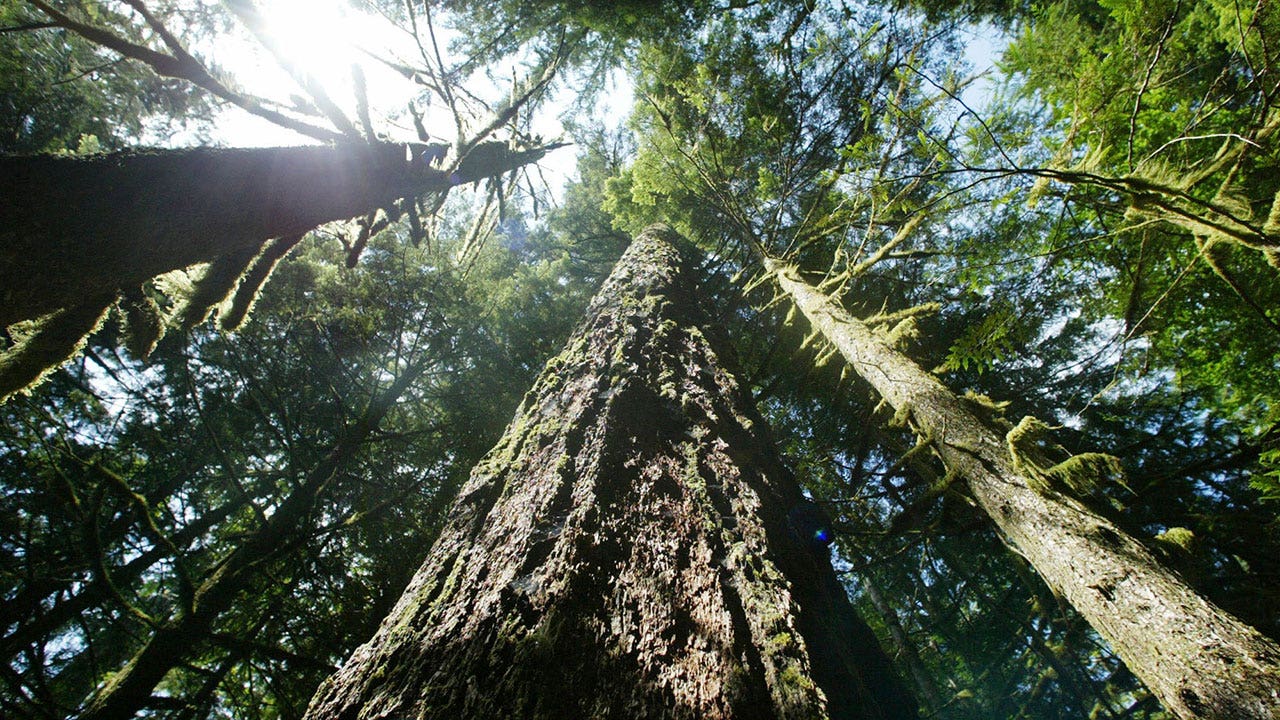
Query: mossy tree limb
[49,342]
[1197,659]
[257,274]
[625,550]
[77,226]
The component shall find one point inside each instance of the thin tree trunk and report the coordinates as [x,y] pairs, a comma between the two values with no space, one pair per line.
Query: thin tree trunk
[905,649]
[1198,659]
[71,227]
[632,548]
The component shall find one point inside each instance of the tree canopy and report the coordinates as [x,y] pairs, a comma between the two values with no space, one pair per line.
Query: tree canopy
[1081,242]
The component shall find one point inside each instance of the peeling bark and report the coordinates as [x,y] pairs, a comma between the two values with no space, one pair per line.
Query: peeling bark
[1196,658]
[625,550]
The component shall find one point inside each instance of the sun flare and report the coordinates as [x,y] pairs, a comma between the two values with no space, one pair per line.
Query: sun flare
[304,49]
[316,37]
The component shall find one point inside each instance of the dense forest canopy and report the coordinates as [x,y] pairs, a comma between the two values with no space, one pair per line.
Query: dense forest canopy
[220,472]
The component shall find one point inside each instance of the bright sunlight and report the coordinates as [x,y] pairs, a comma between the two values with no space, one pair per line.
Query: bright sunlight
[317,42]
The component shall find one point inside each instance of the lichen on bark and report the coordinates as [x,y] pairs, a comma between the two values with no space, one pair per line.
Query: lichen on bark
[624,551]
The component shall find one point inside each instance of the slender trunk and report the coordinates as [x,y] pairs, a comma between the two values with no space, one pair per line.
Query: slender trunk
[1198,659]
[71,227]
[632,548]
[905,649]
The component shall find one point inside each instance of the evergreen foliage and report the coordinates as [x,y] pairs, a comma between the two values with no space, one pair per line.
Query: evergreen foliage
[1086,237]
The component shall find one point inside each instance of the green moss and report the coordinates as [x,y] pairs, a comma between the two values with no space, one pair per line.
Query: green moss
[1083,474]
[825,356]
[990,412]
[1272,226]
[1025,443]
[904,331]
[254,278]
[563,463]
[669,386]
[214,285]
[143,322]
[782,642]
[883,318]
[1079,475]
[901,416]
[696,486]
[43,345]
[439,598]
[793,681]
[1179,538]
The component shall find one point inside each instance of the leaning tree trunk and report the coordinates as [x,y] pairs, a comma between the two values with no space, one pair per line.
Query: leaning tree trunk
[76,227]
[1197,659]
[905,650]
[631,548]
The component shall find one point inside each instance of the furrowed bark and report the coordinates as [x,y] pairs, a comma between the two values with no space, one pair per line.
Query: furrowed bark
[1200,661]
[625,551]
[75,226]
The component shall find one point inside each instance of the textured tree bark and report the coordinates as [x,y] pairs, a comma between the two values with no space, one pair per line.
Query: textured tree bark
[625,551]
[1196,658]
[77,226]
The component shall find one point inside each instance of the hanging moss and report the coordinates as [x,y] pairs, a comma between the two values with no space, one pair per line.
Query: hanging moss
[989,411]
[1180,548]
[902,416]
[1272,226]
[1178,537]
[1078,475]
[1026,445]
[904,331]
[356,249]
[44,344]
[825,356]
[143,324]
[253,279]
[915,311]
[417,234]
[1084,474]
[1272,230]
[217,282]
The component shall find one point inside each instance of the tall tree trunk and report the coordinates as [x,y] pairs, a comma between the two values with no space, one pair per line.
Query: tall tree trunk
[631,548]
[1198,659]
[74,227]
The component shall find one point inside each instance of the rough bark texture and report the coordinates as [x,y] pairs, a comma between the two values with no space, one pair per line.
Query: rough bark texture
[625,550]
[77,226]
[1197,659]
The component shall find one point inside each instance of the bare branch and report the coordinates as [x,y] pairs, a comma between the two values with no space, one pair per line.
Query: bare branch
[248,14]
[183,68]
